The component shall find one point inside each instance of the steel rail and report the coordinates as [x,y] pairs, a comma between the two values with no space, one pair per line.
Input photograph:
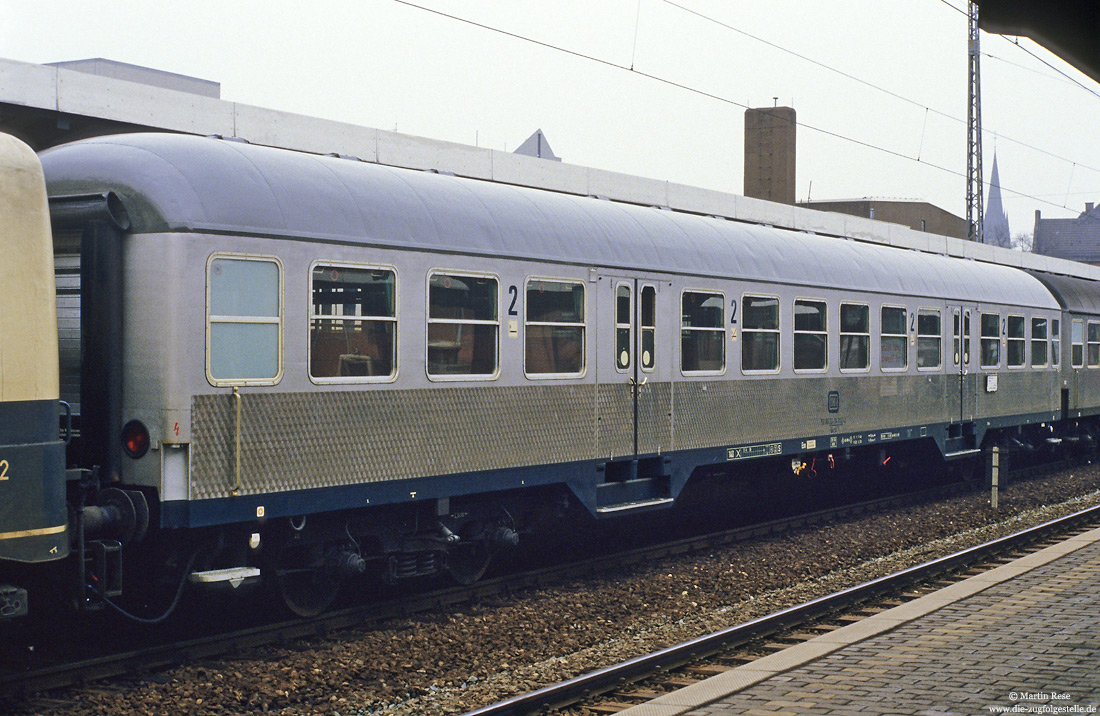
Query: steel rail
[167,655]
[602,680]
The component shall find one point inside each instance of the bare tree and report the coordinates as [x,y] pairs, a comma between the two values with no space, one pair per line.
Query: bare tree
[996,234]
[1022,241]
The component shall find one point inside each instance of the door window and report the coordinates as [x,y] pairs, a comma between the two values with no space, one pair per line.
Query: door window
[649,327]
[624,325]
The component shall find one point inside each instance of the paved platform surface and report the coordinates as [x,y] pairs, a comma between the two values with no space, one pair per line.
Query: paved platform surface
[1023,638]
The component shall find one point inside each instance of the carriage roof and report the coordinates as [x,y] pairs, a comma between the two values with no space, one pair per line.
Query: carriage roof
[180,183]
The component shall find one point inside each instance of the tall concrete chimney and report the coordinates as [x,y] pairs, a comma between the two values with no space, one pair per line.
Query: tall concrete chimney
[770,154]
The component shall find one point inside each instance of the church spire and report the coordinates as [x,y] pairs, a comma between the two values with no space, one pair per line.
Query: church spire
[995,221]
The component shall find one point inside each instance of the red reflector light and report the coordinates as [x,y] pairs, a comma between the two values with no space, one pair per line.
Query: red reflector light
[135,439]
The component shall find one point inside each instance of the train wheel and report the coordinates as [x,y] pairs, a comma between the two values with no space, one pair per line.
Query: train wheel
[304,584]
[466,563]
[308,594]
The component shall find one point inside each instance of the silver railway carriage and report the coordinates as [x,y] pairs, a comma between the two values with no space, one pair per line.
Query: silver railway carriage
[351,363]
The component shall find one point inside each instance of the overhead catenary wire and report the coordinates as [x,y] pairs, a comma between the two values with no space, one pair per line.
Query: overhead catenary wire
[923,128]
[1016,41]
[1025,68]
[876,87]
[725,100]
[656,78]
[637,23]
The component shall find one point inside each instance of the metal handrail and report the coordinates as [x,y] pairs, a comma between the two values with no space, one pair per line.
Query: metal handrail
[237,442]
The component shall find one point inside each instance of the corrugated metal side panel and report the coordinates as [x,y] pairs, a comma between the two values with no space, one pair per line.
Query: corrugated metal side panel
[287,439]
[67,275]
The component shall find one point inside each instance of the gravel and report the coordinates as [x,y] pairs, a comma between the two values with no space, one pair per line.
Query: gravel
[456,660]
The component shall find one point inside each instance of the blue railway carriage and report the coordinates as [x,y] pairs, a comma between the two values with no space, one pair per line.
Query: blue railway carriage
[33,516]
[304,366]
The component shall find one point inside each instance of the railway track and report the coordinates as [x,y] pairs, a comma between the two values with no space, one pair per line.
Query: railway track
[615,688]
[152,658]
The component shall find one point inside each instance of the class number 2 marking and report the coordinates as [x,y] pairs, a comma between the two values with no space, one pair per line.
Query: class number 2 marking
[513,291]
[3,469]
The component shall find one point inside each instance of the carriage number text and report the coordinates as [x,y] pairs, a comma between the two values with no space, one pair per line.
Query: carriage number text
[3,469]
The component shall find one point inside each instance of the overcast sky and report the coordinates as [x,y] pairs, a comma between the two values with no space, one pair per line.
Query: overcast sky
[879,87]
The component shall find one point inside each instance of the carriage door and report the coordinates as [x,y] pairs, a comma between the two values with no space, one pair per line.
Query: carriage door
[632,410]
[1076,360]
[962,355]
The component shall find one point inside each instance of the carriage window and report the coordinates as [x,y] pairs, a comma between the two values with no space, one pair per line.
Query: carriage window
[1015,351]
[929,339]
[991,340]
[1094,345]
[554,328]
[1039,342]
[811,339]
[352,323]
[244,328]
[855,336]
[1055,342]
[1077,344]
[966,338]
[956,337]
[623,321]
[702,332]
[893,341]
[649,327]
[760,333]
[463,325]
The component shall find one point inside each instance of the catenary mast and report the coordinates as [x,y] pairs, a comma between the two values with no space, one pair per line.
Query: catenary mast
[974,218]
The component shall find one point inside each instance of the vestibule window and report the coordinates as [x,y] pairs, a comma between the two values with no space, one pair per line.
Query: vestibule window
[554,328]
[991,340]
[702,332]
[929,338]
[1015,357]
[244,320]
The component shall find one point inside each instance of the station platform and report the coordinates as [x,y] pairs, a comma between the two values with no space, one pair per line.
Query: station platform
[1023,638]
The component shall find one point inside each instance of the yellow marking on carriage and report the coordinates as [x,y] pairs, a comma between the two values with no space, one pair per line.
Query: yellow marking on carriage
[34,533]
